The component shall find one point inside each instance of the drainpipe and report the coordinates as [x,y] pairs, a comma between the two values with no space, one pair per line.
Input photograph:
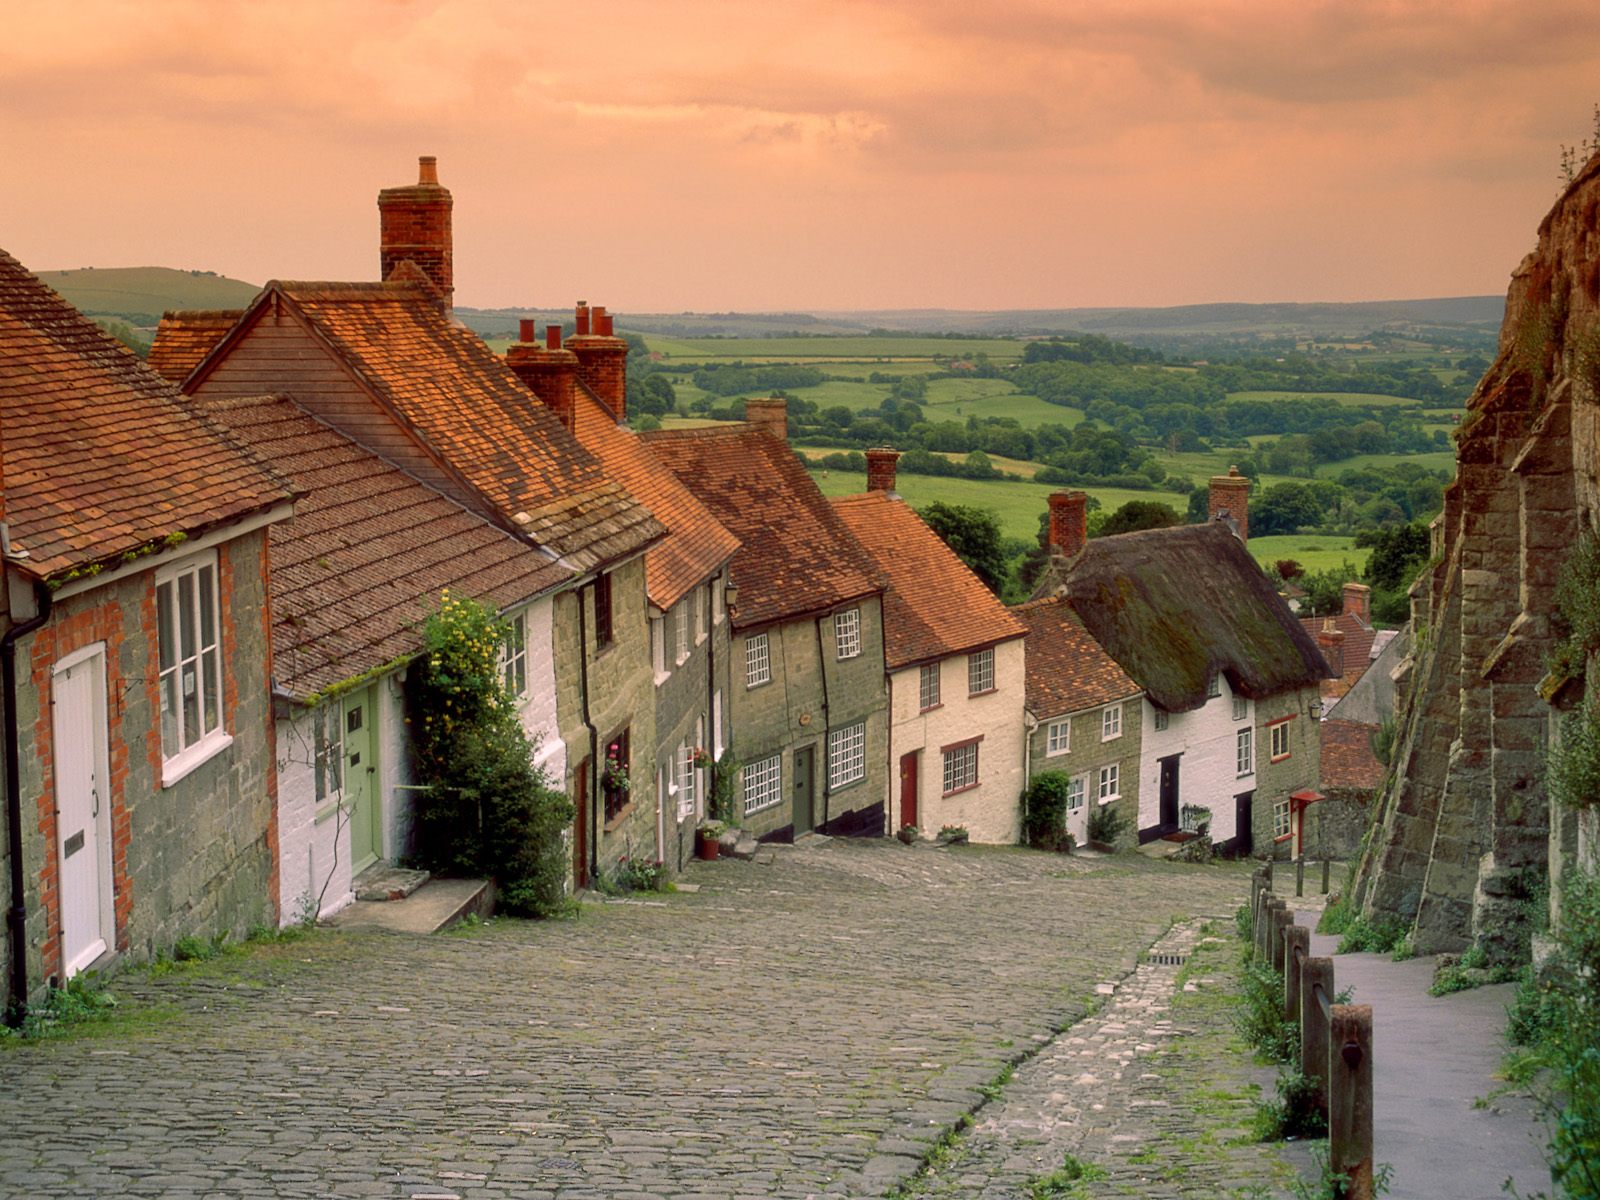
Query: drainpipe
[594,740]
[17,914]
[822,663]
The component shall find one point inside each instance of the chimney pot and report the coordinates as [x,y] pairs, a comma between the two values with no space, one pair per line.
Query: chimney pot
[583,317]
[880,468]
[1330,640]
[414,226]
[525,330]
[770,414]
[1230,499]
[552,336]
[427,169]
[1069,523]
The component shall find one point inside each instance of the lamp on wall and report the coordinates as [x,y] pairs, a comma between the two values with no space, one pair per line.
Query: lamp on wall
[730,596]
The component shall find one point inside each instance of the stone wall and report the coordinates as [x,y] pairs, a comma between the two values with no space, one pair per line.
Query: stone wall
[1087,751]
[1463,829]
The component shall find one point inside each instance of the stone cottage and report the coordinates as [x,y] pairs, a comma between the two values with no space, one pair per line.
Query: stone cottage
[954,659]
[139,772]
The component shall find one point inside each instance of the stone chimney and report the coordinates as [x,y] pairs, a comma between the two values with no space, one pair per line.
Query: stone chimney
[771,414]
[1230,498]
[550,372]
[880,468]
[1358,602]
[602,358]
[1330,640]
[1069,523]
[414,226]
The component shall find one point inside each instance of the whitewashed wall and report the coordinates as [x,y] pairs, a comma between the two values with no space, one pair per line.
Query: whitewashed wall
[1207,774]
[313,856]
[539,709]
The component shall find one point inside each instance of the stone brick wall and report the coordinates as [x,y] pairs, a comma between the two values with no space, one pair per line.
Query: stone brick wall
[1277,780]
[195,857]
[1087,754]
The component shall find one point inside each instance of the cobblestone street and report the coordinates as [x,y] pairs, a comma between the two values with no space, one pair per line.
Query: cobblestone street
[811,1027]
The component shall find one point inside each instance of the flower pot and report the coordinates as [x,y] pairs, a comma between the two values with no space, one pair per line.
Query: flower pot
[706,847]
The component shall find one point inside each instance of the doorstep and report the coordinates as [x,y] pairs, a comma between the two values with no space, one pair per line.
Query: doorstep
[435,905]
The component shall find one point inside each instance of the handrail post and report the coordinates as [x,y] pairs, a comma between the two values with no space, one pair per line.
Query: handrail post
[1282,918]
[1315,973]
[1350,1097]
[1324,874]
[1297,943]
[1300,874]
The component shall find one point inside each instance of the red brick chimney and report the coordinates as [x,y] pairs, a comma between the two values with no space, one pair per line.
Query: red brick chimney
[880,468]
[1358,602]
[1230,497]
[771,415]
[602,358]
[1330,640]
[1069,523]
[414,226]
[550,372]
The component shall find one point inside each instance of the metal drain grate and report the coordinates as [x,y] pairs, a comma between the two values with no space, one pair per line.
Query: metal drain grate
[1168,960]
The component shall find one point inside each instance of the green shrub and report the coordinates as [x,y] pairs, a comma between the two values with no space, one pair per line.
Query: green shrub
[720,799]
[1335,917]
[1107,824]
[635,875]
[1044,811]
[1064,1181]
[1382,935]
[1573,763]
[77,1002]
[1259,1019]
[487,810]
[1294,1114]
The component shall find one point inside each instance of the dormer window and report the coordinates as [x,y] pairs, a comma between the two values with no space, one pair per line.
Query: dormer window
[1214,686]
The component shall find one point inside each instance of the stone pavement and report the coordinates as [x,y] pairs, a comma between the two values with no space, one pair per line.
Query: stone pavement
[806,1028]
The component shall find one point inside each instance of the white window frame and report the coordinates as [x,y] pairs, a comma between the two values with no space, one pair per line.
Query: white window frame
[847,755]
[658,649]
[1282,825]
[680,632]
[718,609]
[960,768]
[717,746]
[1274,731]
[179,579]
[1111,722]
[757,660]
[762,783]
[1077,792]
[980,670]
[1244,751]
[1214,685]
[1058,737]
[847,634]
[683,766]
[928,682]
[1108,784]
[701,631]
[514,654]
[1163,720]
[1241,708]
[327,751]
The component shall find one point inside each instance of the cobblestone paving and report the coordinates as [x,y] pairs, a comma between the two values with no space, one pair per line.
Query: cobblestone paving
[801,1029]
[1154,1092]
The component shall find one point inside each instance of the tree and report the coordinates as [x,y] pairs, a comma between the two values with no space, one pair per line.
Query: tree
[1140,514]
[974,535]
[1397,554]
[653,394]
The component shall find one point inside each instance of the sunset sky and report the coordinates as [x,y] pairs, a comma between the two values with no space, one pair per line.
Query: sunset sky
[671,154]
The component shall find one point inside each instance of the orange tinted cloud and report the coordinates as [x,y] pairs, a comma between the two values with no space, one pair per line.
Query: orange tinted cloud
[878,153]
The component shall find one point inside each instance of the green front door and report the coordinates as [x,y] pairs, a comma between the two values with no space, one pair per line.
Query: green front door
[804,813]
[361,777]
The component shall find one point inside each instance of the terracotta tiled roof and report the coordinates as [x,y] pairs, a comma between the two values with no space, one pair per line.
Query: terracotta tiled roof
[1357,649]
[696,544]
[101,455]
[184,338]
[1347,758]
[1173,606]
[933,605]
[1067,669]
[796,556]
[368,551]
[460,399]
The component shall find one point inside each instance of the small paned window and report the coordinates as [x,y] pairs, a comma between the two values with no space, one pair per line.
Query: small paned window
[1280,818]
[980,672]
[1163,719]
[757,664]
[1058,737]
[1280,740]
[189,656]
[688,778]
[928,687]
[1110,786]
[1111,723]
[1077,789]
[328,747]
[658,646]
[1246,752]
[763,783]
[1214,686]
[847,633]
[614,781]
[604,631]
[514,655]
[1241,708]
[680,626]
[960,768]
[847,755]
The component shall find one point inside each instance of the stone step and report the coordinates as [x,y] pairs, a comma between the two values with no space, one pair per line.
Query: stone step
[384,881]
[436,905]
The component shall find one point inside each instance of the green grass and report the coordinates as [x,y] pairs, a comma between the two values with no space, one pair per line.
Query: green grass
[1441,460]
[1313,551]
[1352,399]
[147,292]
[876,350]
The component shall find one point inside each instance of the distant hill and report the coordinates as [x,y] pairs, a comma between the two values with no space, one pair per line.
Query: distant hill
[140,295]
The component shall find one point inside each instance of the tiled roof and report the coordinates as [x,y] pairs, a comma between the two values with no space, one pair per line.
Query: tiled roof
[368,551]
[1173,606]
[933,605]
[1357,649]
[795,556]
[101,455]
[696,544]
[184,338]
[1067,670]
[1347,758]
[459,398]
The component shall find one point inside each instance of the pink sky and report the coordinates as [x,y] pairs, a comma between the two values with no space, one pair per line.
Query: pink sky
[675,154]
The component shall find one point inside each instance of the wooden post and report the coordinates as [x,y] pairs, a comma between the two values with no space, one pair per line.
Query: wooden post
[1269,872]
[1315,972]
[1300,874]
[1297,944]
[1324,876]
[1282,918]
[1350,1097]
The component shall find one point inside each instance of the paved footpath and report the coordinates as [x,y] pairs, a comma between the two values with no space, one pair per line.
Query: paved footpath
[806,1028]
[1433,1058]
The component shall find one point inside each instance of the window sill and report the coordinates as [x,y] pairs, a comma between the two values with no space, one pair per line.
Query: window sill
[956,792]
[1108,799]
[847,657]
[1058,753]
[328,809]
[930,708]
[1114,737]
[1282,837]
[203,751]
[760,683]
[623,814]
[1277,758]
[834,788]
[986,692]
[1245,774]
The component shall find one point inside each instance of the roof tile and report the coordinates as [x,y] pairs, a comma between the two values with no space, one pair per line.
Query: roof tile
[1067,670]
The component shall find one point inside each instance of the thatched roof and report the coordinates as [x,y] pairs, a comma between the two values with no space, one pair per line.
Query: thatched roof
[1172,606]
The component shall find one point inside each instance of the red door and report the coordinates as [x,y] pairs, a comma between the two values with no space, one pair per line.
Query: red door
[580,828]
[908,789]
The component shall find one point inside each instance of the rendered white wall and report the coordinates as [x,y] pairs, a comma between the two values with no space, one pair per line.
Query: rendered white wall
[1207,774]
[313,856]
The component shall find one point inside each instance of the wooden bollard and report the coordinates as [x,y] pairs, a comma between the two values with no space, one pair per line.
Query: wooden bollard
[1300,875]
[1297,938]
[1350,1097]
[1314,973]
[1263,946]
[1324,876]
[1282,918]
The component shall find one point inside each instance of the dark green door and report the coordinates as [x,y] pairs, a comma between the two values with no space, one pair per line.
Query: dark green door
[803,821]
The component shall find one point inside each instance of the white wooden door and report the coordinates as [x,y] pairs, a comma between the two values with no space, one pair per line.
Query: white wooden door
[83,809]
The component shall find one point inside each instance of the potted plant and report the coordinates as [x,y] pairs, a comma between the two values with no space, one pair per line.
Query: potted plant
[614,777]
[706,843]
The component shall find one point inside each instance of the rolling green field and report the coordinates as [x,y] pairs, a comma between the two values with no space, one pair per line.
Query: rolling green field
[1313,551]
[1352,399]
[1440,460]
[144,293]
[874,350]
